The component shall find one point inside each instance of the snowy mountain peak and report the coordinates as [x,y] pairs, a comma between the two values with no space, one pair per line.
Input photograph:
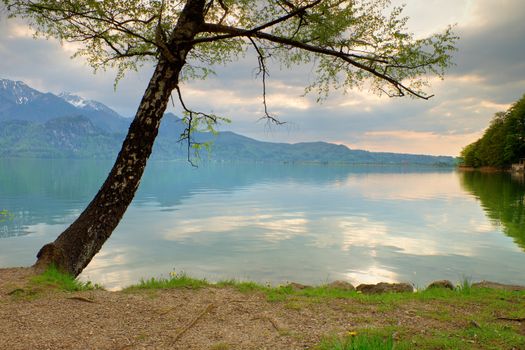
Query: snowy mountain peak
[18,101]
[17,91]
[81,102]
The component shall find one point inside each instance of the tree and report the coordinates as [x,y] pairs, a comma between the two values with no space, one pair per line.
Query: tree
[350,43]
[503,143]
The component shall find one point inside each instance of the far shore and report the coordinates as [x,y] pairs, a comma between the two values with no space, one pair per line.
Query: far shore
[484,169]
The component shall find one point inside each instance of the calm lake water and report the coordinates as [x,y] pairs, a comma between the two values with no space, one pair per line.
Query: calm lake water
[277,222]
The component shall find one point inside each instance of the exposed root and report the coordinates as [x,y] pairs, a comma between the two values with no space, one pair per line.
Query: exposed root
[517,319]
[86,300]
[193,322]
[16,291]
[272,321]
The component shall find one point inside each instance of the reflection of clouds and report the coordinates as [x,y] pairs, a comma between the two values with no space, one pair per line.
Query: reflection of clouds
[42,229]
[106,268]
[372,274]
[283,229]
[274,227]
[347,233]
[410,186]
[361,232]
[481,226]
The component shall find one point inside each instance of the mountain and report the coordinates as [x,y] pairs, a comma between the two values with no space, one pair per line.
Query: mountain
[44,125]
[18,101]
[228,145]
[100,114]
[63,137]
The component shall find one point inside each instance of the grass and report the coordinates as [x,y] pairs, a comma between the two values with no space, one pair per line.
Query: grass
[386,302]
[356,341]
[175,281]
[54,278]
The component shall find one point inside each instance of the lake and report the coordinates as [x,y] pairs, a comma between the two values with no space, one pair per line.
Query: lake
[274,223]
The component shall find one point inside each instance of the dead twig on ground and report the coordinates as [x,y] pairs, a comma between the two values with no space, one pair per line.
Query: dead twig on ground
[193,322]
[86,300]
[269,319]
[516,319]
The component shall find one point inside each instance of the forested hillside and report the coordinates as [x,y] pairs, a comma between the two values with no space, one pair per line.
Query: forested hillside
[44,125]
[503,143]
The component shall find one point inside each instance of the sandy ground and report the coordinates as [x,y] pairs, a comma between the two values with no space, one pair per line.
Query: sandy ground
[208,318]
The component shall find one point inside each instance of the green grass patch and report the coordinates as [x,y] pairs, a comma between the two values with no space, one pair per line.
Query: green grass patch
[54,278]
[356,341]
[175,281]
[486,336]
[243,287]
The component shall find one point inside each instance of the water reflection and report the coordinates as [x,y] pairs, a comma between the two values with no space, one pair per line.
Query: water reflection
[502,196]
[269,223]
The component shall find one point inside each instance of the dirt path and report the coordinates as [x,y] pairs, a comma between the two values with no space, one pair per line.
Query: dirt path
[208,318]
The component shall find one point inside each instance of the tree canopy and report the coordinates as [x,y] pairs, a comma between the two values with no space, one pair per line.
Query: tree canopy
[503,143]
[348,42]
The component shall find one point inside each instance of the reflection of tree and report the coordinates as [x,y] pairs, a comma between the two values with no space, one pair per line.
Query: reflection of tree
[502,198]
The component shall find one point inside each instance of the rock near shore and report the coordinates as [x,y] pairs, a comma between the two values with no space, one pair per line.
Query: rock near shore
[383,287]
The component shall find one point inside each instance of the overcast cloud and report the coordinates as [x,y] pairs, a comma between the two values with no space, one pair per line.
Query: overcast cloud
[489,75]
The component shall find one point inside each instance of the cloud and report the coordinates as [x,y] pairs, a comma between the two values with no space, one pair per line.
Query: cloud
[489,75]
[420,142]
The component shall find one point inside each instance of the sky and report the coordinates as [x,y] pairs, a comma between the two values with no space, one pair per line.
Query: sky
[488,76]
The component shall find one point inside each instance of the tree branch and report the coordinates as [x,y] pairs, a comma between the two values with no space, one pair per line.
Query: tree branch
[188,131]
[225,9]
[264,72]
[237,32]
[259,28]
[68,15]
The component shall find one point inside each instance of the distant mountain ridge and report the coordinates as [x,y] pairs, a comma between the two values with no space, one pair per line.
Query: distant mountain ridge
[44,125]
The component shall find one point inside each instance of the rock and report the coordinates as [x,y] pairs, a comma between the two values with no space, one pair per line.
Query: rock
[383,287]
[494,285]
[297,286]
[341,285]
[441,284]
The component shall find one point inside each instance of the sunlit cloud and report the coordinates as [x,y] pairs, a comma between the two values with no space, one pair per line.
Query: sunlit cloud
[19,31]
[414,142]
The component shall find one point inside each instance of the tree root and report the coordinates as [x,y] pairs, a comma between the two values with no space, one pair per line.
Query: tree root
[16,291]
[518,319]
[193,322]
[269,319]
[86,300]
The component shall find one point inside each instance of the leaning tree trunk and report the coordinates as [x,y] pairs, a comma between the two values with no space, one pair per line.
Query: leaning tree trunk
[78,244]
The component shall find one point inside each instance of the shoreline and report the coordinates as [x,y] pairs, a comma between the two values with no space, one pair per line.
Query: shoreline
[193,314]
[366,288]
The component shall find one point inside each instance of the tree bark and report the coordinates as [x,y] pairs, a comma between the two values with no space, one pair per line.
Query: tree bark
[72,251]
